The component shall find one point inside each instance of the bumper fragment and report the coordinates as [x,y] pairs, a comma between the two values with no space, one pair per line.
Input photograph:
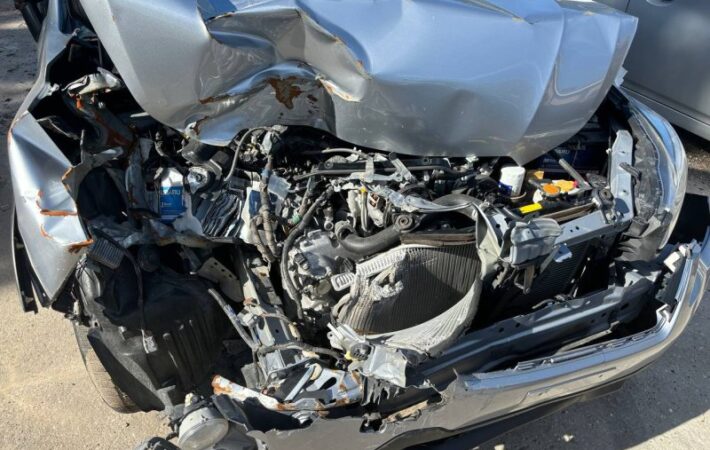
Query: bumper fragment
[477,398]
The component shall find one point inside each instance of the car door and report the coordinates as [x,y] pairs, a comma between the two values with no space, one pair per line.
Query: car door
[669,61]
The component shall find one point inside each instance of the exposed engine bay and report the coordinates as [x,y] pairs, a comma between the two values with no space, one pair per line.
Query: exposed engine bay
[287,276]
[328,270]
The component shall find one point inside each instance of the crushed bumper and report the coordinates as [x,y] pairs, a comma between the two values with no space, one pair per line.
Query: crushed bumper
[478,398]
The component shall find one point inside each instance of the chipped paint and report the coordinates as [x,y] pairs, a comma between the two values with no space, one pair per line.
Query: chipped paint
[66,175]
[51,212]
[43,232]
[56,212]
[78,246]
[333,89]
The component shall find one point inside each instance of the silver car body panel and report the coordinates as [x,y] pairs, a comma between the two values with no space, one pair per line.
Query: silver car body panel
[46,212]
[668,61]
[454,78]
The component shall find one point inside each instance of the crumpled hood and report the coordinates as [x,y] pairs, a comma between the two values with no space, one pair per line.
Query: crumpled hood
[419,77]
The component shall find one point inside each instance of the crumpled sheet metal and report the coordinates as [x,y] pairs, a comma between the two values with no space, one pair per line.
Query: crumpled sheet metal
[46,213]
[422,77]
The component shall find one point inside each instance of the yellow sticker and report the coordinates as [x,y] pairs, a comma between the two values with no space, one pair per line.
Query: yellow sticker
[527,209]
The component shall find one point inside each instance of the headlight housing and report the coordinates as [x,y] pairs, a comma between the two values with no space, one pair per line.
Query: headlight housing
[672,167]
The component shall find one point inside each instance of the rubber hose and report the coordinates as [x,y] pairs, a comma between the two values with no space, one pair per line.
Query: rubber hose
[366,246]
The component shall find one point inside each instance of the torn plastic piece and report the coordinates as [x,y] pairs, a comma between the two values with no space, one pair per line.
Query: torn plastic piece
[278,187]
[529,240]
[386,364]
[73,177]
[216,272]
[102,81]
[412,203]
[401,168]
[382,363]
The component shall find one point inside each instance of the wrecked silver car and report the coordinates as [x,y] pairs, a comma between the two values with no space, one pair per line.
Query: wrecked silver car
[373,223]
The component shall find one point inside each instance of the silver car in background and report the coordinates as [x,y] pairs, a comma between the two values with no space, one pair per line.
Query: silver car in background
[669,61]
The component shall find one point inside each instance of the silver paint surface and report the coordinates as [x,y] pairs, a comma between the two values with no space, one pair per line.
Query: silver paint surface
[423,77]
[46,212]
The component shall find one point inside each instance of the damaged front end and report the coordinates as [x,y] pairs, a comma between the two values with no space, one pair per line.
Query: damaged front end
[263,223]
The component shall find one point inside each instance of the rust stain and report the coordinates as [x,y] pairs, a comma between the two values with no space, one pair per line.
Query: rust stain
[285,90]
[219,389]
[77,246]
[56,212]
[43,232]
[214,99]
[328,87]
[332,90]
[65,179]
[113,138]
[52,212]
[198,124]
[408,412]
[67,174]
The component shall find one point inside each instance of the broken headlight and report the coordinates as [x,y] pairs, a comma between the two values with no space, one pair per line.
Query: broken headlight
[672,165]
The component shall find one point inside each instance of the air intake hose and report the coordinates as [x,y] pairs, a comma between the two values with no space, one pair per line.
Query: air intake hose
[366,246]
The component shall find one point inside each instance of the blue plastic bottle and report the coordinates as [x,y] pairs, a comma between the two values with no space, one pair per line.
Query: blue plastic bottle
[172,204]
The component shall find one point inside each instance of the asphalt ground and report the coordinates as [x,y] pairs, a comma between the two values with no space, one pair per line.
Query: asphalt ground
[48,402]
